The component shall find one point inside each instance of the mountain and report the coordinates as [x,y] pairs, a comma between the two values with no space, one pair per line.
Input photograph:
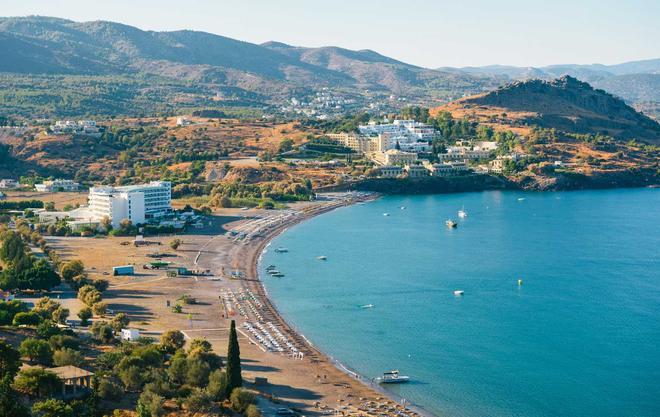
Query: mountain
[565,104]
[48,46]
[635,81]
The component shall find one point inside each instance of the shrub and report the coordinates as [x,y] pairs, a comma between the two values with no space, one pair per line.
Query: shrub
[52,408]
[120,321]
[85,314]
[10,360]
[36,382]
[36,350]
[132,377]
[198,372]
[99,309]
[199,401]
[72,269]
[102,331]
[60,315]
[241,398]
[149,405]
[61,341]
[109,390]
[68,356]
[46,329]
[178,370]
[27,319]
[217,386]
[252,411]
[172,340]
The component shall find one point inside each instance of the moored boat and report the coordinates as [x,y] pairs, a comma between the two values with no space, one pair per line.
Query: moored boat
[392,377]
[451,224]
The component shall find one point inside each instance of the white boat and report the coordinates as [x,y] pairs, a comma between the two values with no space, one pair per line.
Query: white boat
[386,214]
[322,258]
[392,377]
[521,199]
[462,213]
[458,292]
[367,306]
[451,224]
[402,207]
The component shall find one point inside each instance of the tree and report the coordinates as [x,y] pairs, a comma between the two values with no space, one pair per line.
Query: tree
[172,340]
[60,315]
[217,386]
[10,360]
[68,356]
[36,382]
[72,269]
[149,405]
[241,398]
[46,329]
[201,345]
[120,321]
[36,350]
[286,145]
[198,372]
[99,309]
[252,411]
[106,223]
[26,319]
[52,408]
[10,403]
[102,331]
[132,377]
[109,390]
[199,401]
[85,314]
[175,243]
[178,370]
[61,341]
[234,378]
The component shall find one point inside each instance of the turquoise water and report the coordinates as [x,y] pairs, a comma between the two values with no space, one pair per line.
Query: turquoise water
[580,337]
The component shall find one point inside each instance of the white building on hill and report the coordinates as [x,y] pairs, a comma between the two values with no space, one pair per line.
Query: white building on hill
[133,202]
[57,185]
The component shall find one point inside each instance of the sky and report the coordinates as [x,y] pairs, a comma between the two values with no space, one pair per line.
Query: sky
[427,33]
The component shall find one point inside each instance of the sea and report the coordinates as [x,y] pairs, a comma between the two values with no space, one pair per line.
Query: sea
[560,311]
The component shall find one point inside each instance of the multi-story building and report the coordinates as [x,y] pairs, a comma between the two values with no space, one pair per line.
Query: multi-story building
[389,171]
[87,127]
[480,150]
[57,185]
[447,168]
[136,203]
[8,183]
[416,171]
[395,157]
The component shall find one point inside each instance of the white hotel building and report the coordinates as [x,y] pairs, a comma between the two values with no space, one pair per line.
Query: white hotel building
[133,202]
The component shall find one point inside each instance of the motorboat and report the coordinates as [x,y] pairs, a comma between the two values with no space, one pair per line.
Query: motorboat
[392,377]
[458,293]
[451,224]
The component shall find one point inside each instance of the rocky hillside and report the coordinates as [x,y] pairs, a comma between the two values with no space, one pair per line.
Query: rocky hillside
[44,45]
[565,104]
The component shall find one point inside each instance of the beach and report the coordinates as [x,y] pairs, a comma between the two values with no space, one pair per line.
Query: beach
[311,382]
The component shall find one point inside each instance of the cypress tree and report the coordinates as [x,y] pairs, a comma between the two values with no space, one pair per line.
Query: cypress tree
[234,378]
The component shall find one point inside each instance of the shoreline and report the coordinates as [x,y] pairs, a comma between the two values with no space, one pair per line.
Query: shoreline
[255,284]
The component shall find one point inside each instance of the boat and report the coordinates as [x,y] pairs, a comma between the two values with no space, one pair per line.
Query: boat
[322,258]
[281,250]
[462,213]
[392,377]
[367,306]
[402,207]
[273,271]
[458,292]
[521,199]
[451,224]
[386,214]
[277,275]
[270,267]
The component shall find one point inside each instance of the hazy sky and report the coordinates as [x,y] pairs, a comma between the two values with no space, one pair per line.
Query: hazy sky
[427,33]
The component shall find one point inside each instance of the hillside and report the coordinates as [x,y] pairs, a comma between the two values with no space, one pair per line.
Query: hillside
[207,62]
[565,104]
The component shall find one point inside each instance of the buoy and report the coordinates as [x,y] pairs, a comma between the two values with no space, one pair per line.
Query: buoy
[519,282]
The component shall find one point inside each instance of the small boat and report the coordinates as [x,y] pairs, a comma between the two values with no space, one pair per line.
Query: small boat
[273,271]
[462,213]
[278,275]
[367,306]
[451,224]
[521,199]
[386,214]
[519,282]
[392,377]
[402,207]
[270,267]
[322,258]
[281,250]
[458,292]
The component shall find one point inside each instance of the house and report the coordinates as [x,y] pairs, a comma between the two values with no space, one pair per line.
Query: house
[182,121]
[57,185]
[416,171]
[73,379]
[389,171]
[8,183]
[130,335]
